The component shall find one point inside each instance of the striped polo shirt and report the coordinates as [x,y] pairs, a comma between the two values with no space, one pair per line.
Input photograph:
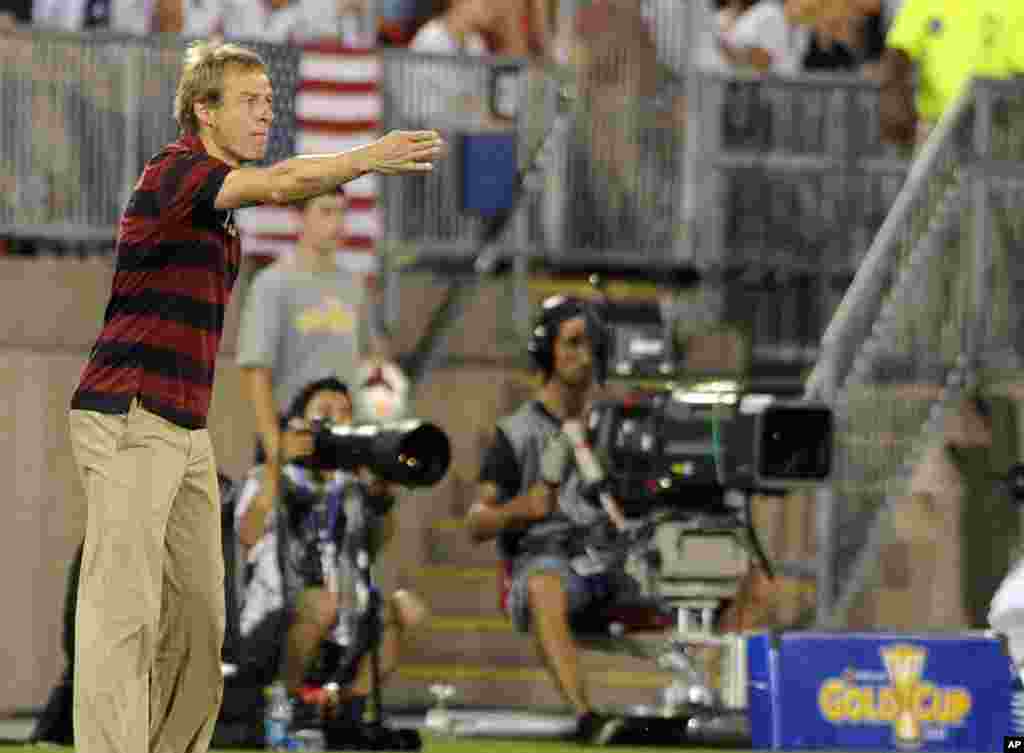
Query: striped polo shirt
[177,260]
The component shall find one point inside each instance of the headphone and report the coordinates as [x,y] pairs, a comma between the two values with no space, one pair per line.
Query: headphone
[553,311]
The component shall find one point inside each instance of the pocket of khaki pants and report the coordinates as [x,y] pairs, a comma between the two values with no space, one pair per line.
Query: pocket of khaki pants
[94,436]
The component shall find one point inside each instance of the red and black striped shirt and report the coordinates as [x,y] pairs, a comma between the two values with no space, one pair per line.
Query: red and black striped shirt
[177,260]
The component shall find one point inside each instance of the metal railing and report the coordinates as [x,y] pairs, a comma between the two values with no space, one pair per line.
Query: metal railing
[711,171]
[476,105]
[701,169]
[792,172]
[645,167]
[925,313]
[81,115]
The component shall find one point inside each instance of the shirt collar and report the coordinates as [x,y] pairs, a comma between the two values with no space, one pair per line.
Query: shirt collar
[193,143]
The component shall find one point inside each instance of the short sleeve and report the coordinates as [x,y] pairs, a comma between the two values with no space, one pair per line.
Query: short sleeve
[261,322]
[907,32]
[211,177]
[501,467]
[190,184]
[1015,49]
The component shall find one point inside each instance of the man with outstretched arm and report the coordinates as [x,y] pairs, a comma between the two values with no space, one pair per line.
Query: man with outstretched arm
[150,619]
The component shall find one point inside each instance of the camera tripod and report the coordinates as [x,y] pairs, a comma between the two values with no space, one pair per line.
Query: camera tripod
[693,711]
[372,734]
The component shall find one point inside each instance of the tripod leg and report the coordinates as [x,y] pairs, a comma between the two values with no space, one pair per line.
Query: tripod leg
[373,735]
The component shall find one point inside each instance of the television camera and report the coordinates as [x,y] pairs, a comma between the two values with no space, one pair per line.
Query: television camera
[680,459]
[682,447]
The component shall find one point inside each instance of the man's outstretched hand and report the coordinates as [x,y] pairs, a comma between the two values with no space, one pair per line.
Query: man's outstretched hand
[407,152]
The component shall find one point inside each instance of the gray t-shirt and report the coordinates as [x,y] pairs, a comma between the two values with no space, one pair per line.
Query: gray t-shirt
[303,326]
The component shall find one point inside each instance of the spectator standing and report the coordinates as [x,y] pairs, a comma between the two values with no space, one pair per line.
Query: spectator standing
[305,318]
[620,140]
[943,46]
[946,44]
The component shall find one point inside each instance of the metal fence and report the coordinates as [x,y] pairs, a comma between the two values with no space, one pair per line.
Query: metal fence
[709,170]
[792,171]
[645,165]
[935,301]
[476,105]
[83,112]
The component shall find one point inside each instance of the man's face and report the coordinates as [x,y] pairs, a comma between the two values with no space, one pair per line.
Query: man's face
[331,405]
[323,222]
[240,125]
[574,354]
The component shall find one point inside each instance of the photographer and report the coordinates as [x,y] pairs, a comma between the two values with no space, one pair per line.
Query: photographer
[298,621]
[550,534]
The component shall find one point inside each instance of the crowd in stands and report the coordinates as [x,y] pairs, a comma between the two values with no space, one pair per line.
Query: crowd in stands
[622,51]
[767,35]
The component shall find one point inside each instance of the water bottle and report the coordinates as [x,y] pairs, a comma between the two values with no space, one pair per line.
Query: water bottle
[277,718]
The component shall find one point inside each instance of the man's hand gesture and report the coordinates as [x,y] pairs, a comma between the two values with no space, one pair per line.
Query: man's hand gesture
[407,152]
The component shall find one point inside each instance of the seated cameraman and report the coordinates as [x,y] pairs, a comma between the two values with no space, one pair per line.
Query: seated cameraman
[298,622]
[529,498]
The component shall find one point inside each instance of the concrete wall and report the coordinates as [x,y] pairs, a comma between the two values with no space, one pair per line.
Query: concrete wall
[51,313]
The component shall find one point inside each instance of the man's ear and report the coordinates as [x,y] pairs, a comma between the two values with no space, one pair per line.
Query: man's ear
[204,113]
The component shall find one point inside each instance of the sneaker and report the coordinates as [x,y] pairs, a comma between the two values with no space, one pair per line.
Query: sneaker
[593,728]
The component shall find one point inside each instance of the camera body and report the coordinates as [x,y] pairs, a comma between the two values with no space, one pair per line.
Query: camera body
[666,445]
[410,453]
[677,448]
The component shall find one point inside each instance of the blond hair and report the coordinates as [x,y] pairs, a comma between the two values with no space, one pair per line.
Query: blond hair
[202,78]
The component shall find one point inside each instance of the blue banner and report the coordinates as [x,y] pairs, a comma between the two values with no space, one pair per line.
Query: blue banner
[879,692]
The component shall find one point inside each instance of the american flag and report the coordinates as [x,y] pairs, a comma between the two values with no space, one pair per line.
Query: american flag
[337,107]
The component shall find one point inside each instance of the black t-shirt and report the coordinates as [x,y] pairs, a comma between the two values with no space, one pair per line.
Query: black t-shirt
[502,468]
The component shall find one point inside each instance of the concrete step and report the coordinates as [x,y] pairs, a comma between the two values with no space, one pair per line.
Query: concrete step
[492,641]
[465,591]
[479,686]
[448,543]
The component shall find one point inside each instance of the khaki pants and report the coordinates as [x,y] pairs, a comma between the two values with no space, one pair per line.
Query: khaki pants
[150,621]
